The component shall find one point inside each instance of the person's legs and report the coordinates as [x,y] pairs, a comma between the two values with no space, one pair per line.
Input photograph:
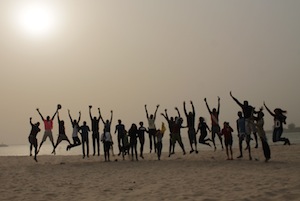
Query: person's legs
[241,139]
[119,144]
[135,149]
[150,140]
[266,149]
[83,148]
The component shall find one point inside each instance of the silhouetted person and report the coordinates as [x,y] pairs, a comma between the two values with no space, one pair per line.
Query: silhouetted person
[248,112]
[61,133]
[120,128]
[151,127]
[202,127]
[84,131]
[48,123]
[133,134]
[75,126]
[95,131]
[279,120]
[215,127]
[171,123]
[227,132]
[241,129]
[176,135]
[32,138]
[107,139]
[159,136]
[190,117]
[262,134]
[142,130]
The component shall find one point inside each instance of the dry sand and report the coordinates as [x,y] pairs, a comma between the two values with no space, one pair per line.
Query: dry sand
[205,176]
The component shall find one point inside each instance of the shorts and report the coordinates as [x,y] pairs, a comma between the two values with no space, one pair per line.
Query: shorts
[62,137]
[47,134]
[32,140]
[228,142]
[95,135]
[250,127]
[192,135]
[215,129]
[176,137]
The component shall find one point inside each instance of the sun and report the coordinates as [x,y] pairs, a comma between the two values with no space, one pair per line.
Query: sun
[37,18]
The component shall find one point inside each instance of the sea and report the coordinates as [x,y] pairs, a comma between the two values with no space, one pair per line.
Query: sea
[23,149]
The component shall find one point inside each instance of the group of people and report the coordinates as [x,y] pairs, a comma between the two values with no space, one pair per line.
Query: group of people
[249,122]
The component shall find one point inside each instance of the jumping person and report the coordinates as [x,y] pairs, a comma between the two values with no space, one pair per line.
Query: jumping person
[159,136]
[151,127]
[279,120]
[48,123]
[75,126]
[133,134]
[84,131]
[171,123]
[215,127]
[242,135]
[248,112]
[227,132]
[202,127]
[191,127]
[120,128]
[61,133]
[262,134]
[95,131]
[107,138]
[176,135]
[32,137]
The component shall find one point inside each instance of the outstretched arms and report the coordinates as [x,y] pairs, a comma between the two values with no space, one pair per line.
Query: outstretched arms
[271,113]
[37,109]
[207,105]
[236,100]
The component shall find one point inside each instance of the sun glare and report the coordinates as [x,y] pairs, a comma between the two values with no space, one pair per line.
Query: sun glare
[36,19]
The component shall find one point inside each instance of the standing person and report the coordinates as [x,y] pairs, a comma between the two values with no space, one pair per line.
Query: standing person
[171,123]
[133,134]
[279,120]
[151,127]
[32,137]
[95,131]
[48,123]
[61,133]
[159,136]
[191,127]
[141,132]
[120,128]
[75,126]
[202,127]
[84,131]
[215,127]
[242,135]
[248,112]
[262,134]
[227,132]
[107,140]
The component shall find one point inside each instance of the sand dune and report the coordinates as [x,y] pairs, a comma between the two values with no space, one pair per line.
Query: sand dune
[205,176]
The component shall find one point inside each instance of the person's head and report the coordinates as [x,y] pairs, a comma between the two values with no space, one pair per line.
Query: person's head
[279,111]
[75,121]
[172,118]
[190,114]
[84,123]
[119,121]
[201,119]
[226,124]
[240,114]
[95,118]
[141,123]
[260,115]
[62,122]
[48,118]
[151,116]
[37,124]
[107,121]
[246,103]
[133,126]
[214,110]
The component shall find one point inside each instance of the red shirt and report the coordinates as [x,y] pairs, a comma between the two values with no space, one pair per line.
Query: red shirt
[227,132]
[48,124]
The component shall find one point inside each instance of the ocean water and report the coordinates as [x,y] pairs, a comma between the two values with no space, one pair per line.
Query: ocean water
[23,150]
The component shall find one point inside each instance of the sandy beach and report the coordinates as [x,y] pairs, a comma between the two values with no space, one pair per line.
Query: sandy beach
[204,176]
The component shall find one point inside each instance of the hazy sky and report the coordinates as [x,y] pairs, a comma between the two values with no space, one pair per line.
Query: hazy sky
[121,55]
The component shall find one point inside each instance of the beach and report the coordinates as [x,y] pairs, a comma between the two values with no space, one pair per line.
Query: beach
[204,176]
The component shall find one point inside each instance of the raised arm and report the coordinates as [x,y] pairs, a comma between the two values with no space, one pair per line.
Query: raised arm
[218,111]
[70,116]
[90,112]
[207,105]
[79,118]
[111,116]
[40,114]
[99,114]
[193,108]
[271,113]
[236,100]
[165,115]
[58,119]
[156,111]
[54,114]
[184,109]
[30,120]
[176,108]
[147,115]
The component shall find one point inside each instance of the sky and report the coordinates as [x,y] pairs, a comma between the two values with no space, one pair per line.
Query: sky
[121,55]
